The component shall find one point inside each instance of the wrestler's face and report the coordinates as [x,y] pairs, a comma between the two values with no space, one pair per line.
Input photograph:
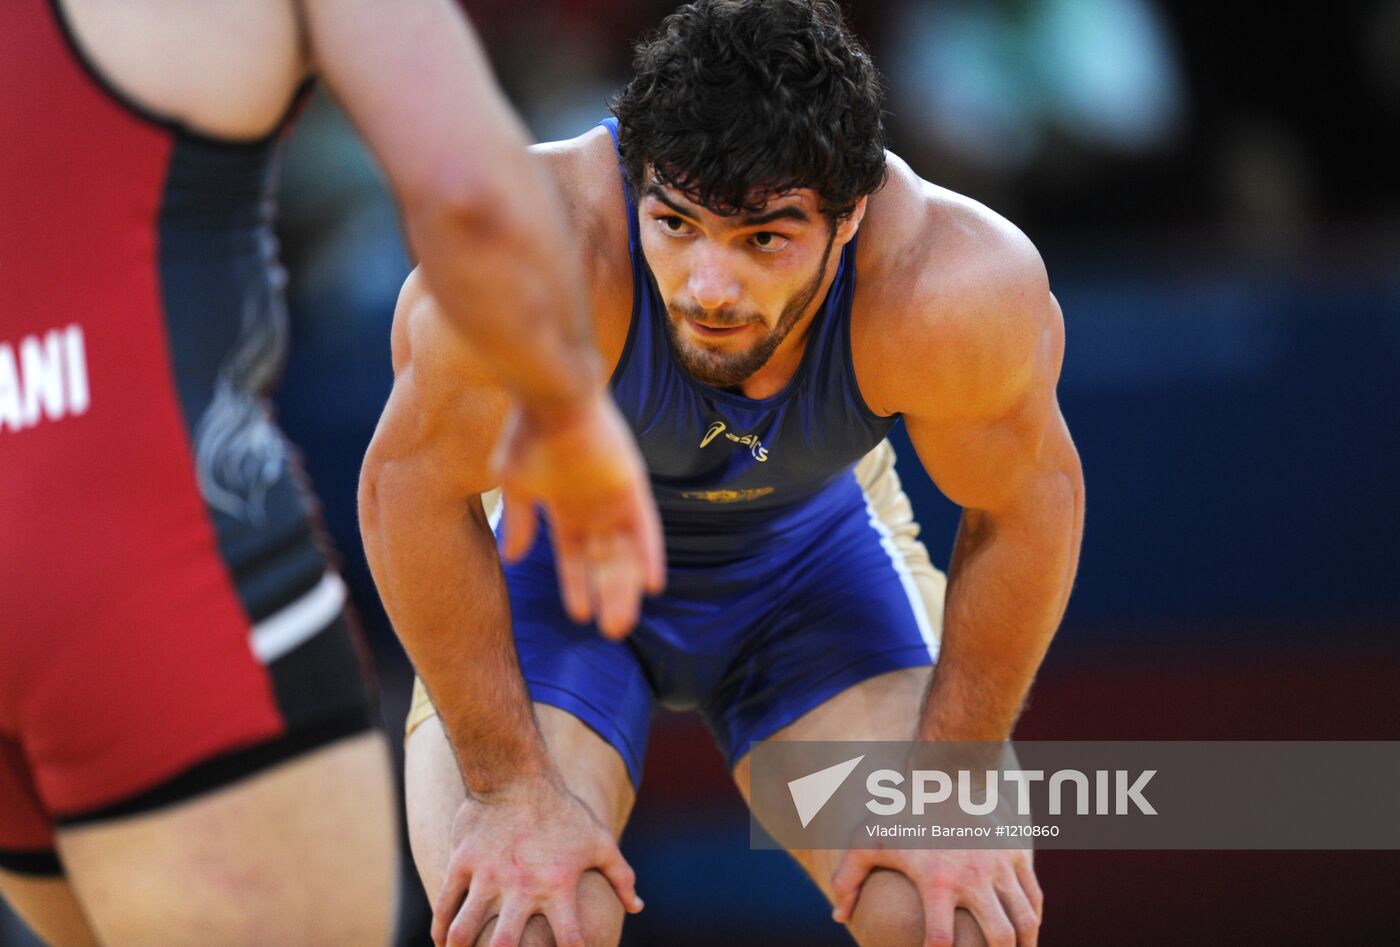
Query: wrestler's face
[735,286]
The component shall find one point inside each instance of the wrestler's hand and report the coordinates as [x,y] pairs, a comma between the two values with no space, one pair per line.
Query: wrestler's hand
[583,467]
[998,887]
[519,853]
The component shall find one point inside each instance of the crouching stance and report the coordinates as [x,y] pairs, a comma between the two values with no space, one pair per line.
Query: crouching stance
[772,293]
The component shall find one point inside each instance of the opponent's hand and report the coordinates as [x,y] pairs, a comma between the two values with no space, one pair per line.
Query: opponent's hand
[997,886]
[584,468]
[521,853]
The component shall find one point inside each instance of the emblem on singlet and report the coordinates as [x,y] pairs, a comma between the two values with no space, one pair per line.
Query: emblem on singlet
[751,441]
[239,453]
[728,496]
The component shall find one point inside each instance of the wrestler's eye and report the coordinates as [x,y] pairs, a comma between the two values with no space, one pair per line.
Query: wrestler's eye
[673,225]
[769,242]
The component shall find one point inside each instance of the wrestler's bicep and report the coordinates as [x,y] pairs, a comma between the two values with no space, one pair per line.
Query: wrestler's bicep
[445,413]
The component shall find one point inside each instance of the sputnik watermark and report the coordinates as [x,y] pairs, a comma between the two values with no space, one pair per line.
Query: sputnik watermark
[884,785]
[1169,795]
[1112,793]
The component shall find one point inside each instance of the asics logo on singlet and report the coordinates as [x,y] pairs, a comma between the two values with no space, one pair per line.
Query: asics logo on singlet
[751,441]
[43,376]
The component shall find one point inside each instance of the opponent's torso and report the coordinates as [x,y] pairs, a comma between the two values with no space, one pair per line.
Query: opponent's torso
[729,472]
[141,321]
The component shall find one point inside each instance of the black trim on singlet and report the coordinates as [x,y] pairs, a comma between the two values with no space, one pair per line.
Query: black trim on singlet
[225,770]
[329,674]
[175,126]
[40,863]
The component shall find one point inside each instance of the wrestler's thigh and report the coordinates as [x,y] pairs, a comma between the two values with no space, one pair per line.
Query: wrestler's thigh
[304,853]
[887,707]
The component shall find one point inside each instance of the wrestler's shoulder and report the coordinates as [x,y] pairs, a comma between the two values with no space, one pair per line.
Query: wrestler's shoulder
[945,283]
[585,169]
[589,179]
[934,248]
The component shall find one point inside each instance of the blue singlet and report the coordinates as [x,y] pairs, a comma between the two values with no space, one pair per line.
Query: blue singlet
[784,588]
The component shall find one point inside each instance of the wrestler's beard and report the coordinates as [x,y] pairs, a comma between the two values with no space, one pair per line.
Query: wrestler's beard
[729,369]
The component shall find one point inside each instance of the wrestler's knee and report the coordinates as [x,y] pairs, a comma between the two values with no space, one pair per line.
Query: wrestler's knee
[600,916]
[890,913]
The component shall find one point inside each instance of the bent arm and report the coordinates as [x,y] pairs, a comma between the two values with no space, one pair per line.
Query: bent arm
[483,219]
[1007,459]
[432,551]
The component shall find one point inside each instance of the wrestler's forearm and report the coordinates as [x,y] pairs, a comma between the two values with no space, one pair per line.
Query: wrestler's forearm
[438,573]
[1008,585]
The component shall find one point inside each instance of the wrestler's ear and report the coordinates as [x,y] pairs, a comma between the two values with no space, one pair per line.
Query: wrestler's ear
[847,226]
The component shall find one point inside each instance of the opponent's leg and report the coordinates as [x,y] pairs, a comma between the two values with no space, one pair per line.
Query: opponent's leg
[592,770]
[303,853]
[889,912]
[31,878]
[47,905]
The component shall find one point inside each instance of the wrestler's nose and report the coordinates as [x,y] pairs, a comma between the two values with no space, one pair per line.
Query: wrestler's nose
[713,283]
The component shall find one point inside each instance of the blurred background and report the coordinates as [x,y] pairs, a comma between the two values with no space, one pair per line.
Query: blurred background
[1216,199]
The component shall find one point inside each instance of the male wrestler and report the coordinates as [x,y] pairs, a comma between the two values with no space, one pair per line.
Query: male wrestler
[184,714]
[772,291]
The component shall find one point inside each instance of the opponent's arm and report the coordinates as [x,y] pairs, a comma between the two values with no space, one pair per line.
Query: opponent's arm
[521,840]
[489,228]
[996,444]
[484,220]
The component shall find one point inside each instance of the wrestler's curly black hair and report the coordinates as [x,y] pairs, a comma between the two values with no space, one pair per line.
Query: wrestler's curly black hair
[735,100]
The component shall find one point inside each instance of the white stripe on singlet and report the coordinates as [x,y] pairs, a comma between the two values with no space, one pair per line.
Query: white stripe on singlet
[906,578]
[284,630]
